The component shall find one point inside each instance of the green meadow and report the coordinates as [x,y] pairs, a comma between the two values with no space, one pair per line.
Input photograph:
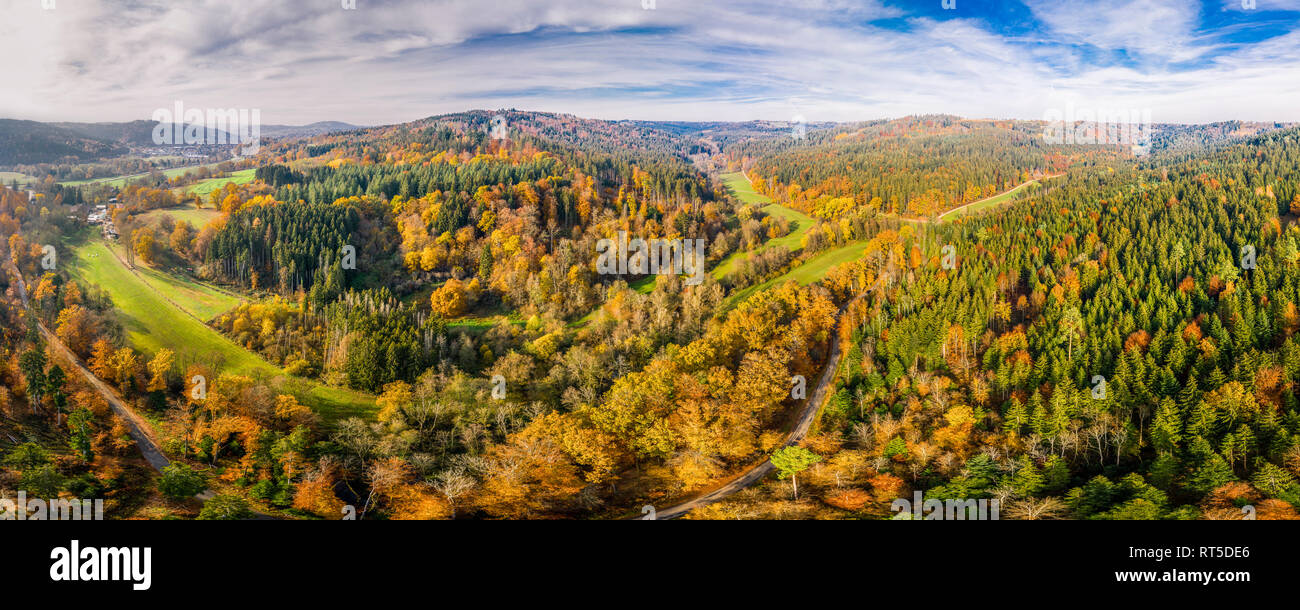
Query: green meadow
[800,223]
[120,181]
[8,178]
[985,204]
[152,323]
[812,270]
[197,217]
[205,187]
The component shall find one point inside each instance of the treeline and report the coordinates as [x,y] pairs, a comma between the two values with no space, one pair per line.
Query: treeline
[315,248]
[1122,348]
[522,214]
[916,166]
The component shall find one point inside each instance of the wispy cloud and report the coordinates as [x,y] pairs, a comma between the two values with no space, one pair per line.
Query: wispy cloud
[397,60]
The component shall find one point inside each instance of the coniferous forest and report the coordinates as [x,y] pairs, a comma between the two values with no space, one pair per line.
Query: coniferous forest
[415,326]
[641,292]
[470,267]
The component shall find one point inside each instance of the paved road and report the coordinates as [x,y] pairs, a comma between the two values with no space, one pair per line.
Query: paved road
[136,425]
[756,473]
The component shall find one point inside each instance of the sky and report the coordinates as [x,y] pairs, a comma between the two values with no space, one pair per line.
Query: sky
[391,61]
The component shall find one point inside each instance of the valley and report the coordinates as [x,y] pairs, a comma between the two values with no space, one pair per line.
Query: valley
[444,307]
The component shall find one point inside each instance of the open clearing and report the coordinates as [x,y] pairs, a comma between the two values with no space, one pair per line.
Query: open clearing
[205,187]
[152,323]
[813,270]
[197,217]
[984,204]
[800,223]
[8,178]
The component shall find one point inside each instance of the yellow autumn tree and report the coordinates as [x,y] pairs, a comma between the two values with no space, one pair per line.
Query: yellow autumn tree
[449,299]
[160,369]
[75,327]
[101,360]
[395,396]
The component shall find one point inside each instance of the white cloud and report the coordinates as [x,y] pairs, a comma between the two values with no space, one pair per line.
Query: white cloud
[1151,29]
[404,59]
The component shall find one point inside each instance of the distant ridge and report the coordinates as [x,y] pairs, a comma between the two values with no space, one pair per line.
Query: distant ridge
[32,142]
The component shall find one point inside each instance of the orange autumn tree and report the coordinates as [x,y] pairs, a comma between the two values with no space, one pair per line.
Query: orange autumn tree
[528,476]
[315,494]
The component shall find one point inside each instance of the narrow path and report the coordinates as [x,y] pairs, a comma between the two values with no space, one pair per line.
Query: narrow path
[1003,194]
[136,426]
[756,472]
[151,287]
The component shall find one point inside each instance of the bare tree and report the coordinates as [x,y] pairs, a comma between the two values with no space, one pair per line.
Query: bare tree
[453,483]
[1034,509]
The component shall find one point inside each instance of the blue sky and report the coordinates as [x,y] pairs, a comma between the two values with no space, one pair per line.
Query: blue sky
[838,60]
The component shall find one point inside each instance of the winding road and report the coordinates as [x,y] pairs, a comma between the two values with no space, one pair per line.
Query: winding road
[136,426]
[139,429]
[755,473]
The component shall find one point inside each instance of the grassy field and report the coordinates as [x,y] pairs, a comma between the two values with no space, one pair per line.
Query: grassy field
[202,300]
[198,218]
[8,178]
[800,223]
[645,285]
[813,270]
[205,187]
[152,323]
[739,185]
[985,204]
[476,325]
[120,181]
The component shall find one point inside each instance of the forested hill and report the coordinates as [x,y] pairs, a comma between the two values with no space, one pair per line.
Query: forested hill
[592,135]
[1122,347]
[917,166]
[515,216]
[1194,139]
[24,142]
[603,149]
